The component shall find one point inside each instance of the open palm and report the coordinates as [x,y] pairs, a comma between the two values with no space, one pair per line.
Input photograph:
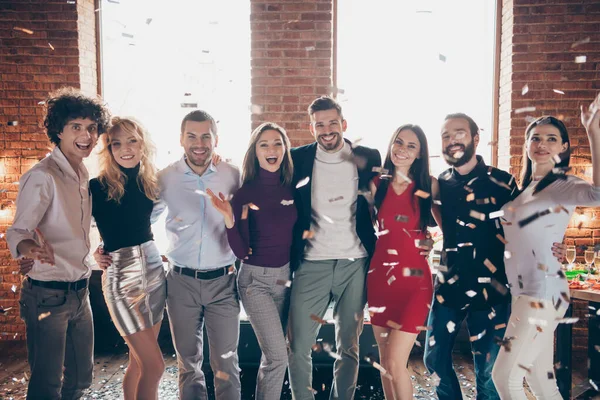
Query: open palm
[220,203]
[590,118]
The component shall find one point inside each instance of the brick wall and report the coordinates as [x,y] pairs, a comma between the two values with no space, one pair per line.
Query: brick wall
[540,40]
[61,51]
[292,51]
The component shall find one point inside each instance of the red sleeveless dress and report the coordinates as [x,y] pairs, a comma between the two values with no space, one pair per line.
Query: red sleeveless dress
[399,277]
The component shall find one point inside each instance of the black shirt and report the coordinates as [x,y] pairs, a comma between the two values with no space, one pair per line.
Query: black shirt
[473,242]
[126,223]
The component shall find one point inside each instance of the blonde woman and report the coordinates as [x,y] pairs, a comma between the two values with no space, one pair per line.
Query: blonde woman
[133,282]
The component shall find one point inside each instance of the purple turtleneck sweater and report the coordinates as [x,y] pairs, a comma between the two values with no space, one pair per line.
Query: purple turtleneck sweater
[268,230]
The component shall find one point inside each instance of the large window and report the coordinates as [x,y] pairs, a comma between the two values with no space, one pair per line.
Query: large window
[160,60]
[414,61]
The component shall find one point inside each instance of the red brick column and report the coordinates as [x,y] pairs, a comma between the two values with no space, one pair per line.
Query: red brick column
[540,42]
[59,51]
[292,51]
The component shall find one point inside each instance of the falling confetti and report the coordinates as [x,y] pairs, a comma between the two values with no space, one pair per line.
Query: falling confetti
[283,282]
[308,235]
[381,233]
[567,320]
[391,279]
[287,202]
[228,355]
[558,91]
[14,288]
[43,315]
[376,310]
[524,109]
[442,57]
[580,42]
[496,214]
[401,218]
[12,123]
[50,45]
[478,336]
[524,90]
[245,212]
[451,326]
[28,31]
[222,375]
[309,48]
[471,293]
[253,206]
[580,59]
[393,325]
[392,252]
[302,182]
[327,218]
[477,215]
[422,194]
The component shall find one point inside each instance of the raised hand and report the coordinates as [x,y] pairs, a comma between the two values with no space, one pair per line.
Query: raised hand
[223,206]
[216,159]
[590,118]
[103,260]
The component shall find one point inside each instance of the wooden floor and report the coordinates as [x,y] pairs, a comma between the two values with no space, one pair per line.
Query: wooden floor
[110,368]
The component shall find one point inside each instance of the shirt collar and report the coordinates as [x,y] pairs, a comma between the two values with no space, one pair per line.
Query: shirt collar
[480,169]
[182,166]
[63,164]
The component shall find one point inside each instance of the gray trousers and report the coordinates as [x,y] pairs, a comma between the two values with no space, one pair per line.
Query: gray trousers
[315,284]
[190,304]
[266,302]
[60,333]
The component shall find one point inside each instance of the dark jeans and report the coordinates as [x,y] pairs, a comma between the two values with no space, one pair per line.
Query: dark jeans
[438,358]
[59,334]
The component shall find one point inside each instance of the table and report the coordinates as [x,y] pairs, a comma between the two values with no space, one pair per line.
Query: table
[564,342]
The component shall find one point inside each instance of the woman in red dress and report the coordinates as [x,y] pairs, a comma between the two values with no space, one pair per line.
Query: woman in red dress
[399,284]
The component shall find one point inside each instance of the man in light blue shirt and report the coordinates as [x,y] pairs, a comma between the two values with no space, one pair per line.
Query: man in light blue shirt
[201,283]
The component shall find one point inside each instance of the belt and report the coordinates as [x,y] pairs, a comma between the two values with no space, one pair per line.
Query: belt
[78,285]
[203,275]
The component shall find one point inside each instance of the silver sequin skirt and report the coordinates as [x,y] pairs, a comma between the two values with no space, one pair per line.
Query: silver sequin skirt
[135,288]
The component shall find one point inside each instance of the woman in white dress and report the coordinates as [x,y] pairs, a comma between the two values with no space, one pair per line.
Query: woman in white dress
[533,221]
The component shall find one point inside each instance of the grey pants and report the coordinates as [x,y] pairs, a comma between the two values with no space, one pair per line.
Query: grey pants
[60,333]
[190,303]
[266,302]
[315,284]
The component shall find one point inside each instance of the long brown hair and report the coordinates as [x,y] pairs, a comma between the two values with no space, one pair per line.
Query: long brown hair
[419,171]
[251,166]
[111,177]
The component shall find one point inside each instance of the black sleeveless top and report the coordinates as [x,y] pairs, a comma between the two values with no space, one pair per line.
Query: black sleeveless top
[126,223]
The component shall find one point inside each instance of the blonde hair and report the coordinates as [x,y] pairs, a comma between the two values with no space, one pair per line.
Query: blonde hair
[111,176]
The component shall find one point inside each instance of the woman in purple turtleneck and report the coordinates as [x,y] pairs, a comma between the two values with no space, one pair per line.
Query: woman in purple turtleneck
[260,220]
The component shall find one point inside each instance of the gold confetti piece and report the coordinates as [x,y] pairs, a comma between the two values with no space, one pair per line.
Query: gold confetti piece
[412,272]
[5,310]
[556,158]
[524,90]
[451,326]
[536,304]
[542,267]
[422,194]
[524,109]
[50,44]
[485,294]
[423,328]
[327,218]
[253,206]
[385,334]
[336,199]
[580,42]
[283,282]
[28,31]
[437,202]
[392,252]
[471,293]
[477,337]
[580,59]
[376,310]
[287,202]
[43,315]
[484,279]
[401,218]
[558,91]
[318,319]
[391,279]
[222,375]
[302,182]
[471,197]
[382,370]
[490,266]
[452,280]
[380,170]
[499,326]
[477,215]
[228,354]
[467,244]
[500,288]
[439,298]
[393,325]
[501,238]
[308,235]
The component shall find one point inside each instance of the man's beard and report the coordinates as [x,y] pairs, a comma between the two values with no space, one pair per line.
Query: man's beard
[332,145]
[468,152]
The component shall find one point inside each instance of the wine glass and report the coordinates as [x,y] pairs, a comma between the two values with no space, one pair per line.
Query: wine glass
[571,254]
[589,258]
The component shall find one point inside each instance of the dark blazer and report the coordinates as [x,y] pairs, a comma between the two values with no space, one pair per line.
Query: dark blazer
[304,159]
